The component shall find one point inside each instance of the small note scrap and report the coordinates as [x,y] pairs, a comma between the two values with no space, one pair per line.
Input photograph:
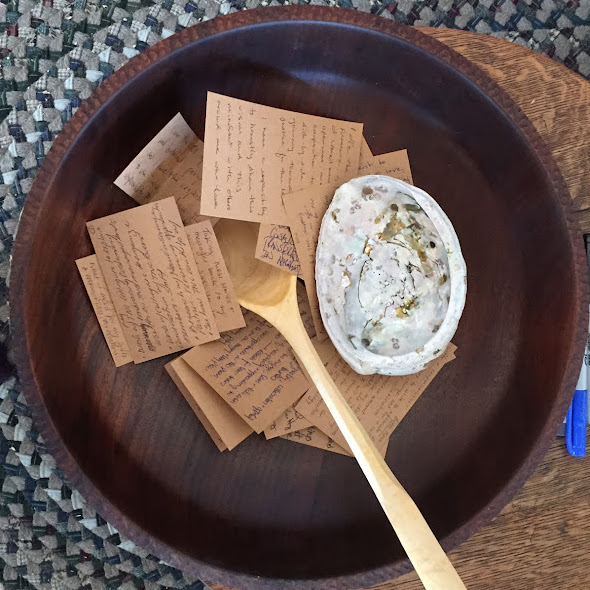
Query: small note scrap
[275,246]
[289,421]
[314,437]
[222,424]
[379,401]
[179,382]
[305,210]
[152,277]
[215,276]
[253,369]
[366,154]
[103,308]
[394,164]
[255,154]
[170,165]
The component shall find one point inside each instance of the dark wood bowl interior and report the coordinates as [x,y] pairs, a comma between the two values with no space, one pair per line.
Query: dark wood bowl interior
[277,514]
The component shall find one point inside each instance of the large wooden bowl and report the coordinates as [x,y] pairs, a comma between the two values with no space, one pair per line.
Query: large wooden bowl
[276,514]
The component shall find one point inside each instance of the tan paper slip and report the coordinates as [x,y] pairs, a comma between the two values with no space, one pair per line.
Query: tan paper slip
[314,437]
[289,421]
[379,401]
[220,421]
[215,276]
[394,164]
[253,369]
[104,309]
[275,246]
[170,165]
[254,154]
[152,277]
[195,407]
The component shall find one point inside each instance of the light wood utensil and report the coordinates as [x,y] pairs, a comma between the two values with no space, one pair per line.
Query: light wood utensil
[271,293]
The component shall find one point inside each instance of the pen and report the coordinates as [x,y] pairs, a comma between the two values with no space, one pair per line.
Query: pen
[587,351]
[577,417]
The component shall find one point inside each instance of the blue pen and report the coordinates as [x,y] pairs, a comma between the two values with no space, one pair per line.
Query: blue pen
[577,418]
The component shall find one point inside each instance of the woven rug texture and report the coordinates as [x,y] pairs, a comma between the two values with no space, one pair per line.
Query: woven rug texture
[53,54]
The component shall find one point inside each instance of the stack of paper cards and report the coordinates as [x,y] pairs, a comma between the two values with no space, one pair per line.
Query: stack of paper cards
[159,285]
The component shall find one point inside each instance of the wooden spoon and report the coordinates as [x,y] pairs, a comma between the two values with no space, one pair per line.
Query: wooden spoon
[271,293]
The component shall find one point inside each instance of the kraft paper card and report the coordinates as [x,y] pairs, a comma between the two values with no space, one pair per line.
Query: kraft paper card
[219,420]
[253,369]
[170,165]
[379,401]
[215,277]
[255,154]
[153,281]
[104,309]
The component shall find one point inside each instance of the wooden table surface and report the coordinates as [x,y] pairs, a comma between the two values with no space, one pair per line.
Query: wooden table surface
[541,540]
[555,99]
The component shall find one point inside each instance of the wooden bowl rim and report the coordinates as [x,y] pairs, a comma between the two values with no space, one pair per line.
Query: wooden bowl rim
[29,220]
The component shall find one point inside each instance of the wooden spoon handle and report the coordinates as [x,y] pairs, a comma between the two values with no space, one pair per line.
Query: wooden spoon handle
[425,553]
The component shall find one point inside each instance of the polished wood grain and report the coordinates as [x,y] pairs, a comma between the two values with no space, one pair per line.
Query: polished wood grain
[555,99]
[274,514]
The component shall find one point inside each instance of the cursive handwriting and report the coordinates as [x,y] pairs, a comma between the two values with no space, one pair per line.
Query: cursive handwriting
[253,369]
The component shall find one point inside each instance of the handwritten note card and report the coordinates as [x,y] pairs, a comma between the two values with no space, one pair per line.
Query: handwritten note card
[103,308]
[379,401]
[170,165]
[152,277]
[219,420]
[305,210]
[254,154]
[366,153]
[289,421]
[180,383]
[305,309]
[394,164]
[215,276]
[275,246]
[314,437]
[253,369]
